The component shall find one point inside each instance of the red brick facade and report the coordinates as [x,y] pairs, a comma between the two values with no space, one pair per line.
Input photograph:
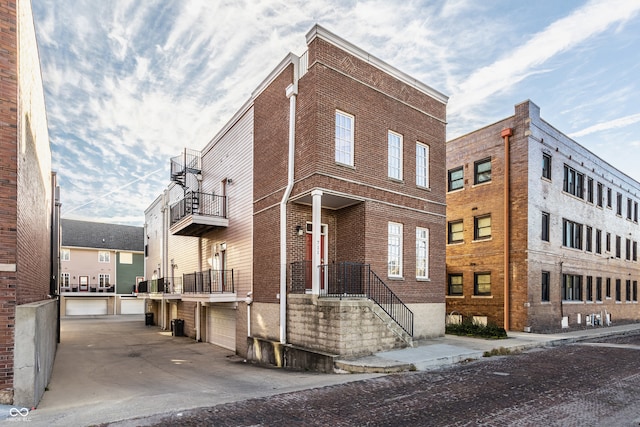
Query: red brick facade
[379,102]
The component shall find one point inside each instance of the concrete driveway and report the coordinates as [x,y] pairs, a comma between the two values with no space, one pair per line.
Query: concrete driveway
[111,368]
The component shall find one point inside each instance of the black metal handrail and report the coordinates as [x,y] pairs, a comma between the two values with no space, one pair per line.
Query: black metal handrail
[208,282]
[163,285]
[352,279]
[199,203]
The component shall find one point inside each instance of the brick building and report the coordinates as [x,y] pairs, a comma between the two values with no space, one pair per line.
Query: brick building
[28,216]
[525,199]
[323,199]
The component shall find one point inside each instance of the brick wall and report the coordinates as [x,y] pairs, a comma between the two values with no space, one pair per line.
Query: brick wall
[8,192]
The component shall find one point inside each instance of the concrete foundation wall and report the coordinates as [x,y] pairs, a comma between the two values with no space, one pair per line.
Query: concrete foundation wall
[427,320]
[265,320]
[35,350]
[348,327]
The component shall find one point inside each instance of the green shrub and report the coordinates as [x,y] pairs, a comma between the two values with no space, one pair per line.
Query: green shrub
[469,328]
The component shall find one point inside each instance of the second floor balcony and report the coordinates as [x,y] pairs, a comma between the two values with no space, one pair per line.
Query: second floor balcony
[198,213]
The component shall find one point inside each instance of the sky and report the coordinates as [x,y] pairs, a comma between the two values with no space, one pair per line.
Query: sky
[130,84]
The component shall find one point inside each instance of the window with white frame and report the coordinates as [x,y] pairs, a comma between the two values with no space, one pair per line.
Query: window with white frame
[344,138]
[422,253]
[104,280]
[395,155]
[422,165]
[104,256]
[394,250]
[64,280]
[65,254]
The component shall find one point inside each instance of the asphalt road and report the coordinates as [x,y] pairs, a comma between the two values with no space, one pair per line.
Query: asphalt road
[585,384]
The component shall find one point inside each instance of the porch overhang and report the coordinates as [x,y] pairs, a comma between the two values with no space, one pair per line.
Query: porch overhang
[330,199]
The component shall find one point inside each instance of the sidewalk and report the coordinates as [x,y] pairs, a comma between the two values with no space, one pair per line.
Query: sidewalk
[450,349]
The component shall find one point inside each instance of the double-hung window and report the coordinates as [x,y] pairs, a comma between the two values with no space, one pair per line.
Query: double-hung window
[455,285]
[482,227]
[65,254]
[103,280]
[456,179]
[482,171]
[598,241]
[422,253]
[482,284]
[394,250]
[456,232]
[344,138]
[422,165]
[395,155]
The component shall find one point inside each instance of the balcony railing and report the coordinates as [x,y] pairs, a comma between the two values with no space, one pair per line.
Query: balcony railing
[90,287]
[348,279]
[209,282]
[163,285]
[198,203]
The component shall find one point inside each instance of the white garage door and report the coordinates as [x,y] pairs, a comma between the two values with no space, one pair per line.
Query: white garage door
[131,306]
[86,307]
[221,326]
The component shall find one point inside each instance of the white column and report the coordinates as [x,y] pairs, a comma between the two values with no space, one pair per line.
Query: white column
[315,237]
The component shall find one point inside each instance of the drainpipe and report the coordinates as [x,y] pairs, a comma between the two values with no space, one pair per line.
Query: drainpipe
[506,133]
[291,92]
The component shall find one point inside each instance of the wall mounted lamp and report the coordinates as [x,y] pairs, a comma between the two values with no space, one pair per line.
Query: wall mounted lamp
[299,230]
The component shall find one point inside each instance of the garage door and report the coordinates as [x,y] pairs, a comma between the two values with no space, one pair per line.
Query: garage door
[86,307]
[131,306]
[221,326]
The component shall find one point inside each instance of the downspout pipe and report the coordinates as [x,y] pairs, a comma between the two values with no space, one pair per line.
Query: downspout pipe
[291,92]
[505,134]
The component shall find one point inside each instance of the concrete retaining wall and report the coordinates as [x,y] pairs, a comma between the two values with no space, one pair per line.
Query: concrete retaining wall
[35,350]
[347,327]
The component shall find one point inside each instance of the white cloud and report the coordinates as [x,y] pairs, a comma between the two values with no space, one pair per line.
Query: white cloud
[612,124]
[523,61]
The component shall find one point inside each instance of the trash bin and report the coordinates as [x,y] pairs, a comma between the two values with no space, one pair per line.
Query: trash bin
[148,319]
[177,327]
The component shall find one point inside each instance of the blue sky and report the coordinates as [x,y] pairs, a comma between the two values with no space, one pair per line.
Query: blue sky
[129,83]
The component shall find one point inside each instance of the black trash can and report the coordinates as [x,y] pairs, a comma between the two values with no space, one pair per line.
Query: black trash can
[148,319]
[177,327]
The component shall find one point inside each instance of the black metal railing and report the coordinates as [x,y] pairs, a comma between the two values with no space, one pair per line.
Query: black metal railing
[199,203]
[208,282]
[163,285]
[89,287]
[189,161]
[351,279]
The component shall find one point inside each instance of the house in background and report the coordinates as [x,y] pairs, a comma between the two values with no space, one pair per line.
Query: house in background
[29,212]
[101,265]
[542,234]
[312,225]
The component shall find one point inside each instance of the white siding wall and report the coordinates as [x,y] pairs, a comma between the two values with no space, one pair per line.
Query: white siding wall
[231,157]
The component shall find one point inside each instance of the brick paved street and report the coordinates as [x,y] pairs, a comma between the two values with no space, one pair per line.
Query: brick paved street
[574,385]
